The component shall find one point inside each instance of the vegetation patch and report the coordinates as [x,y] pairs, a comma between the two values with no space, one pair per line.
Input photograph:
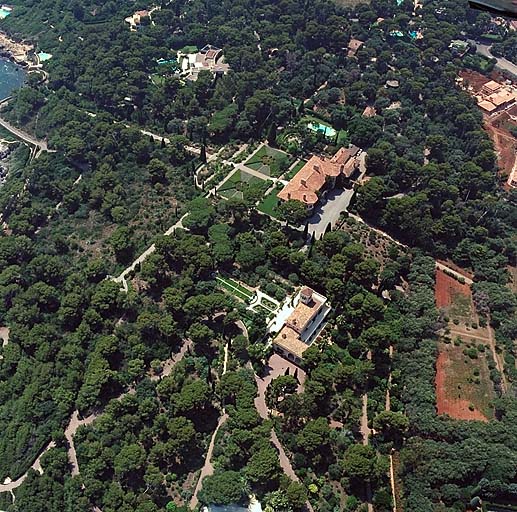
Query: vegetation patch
[449,291]
[238,183]
[464,390]
[295,169]
[269,204]
[269,161]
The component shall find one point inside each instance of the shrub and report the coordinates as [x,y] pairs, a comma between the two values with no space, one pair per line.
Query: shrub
[471,352]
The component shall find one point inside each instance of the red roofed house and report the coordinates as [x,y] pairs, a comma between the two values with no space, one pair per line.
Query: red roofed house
[319,175]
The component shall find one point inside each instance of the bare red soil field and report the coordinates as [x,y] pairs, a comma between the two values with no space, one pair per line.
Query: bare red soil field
[456,408]
[446,288]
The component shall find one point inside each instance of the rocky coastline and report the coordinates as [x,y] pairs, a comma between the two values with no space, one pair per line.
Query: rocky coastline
[21,53]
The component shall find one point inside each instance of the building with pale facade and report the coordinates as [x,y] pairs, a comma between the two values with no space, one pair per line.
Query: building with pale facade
[303,325]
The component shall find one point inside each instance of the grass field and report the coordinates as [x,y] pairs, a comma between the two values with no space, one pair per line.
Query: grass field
[269,204]
[235,288]
[464,389]
[295,169]
[268,161]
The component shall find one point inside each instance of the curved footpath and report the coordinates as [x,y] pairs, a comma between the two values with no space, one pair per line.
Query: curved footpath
[75,422]
[9,485]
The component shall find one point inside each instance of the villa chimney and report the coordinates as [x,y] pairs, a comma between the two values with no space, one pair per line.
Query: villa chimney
[317,168]
[303,181]
[288,195]
[305,197]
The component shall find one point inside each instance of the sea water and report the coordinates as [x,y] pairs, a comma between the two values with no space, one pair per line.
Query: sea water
[12,77]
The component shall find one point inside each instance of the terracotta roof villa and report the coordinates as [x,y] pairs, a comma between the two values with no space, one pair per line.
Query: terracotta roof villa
[319,174]
[303,325]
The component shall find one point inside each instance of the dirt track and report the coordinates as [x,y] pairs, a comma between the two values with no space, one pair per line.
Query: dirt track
[504,142]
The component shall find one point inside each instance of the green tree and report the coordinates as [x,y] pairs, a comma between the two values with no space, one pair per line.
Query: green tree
[292,212]
[223,488]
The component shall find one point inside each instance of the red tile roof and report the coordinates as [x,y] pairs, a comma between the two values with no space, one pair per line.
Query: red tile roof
[311,178]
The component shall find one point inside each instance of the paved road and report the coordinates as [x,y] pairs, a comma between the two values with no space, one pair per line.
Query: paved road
[277,366]
[337,202]
[495,355]
[208,468]
[75,423]
[9,486]
[169,364]
[502,63]
[122,277]
[41,144]
[70,432]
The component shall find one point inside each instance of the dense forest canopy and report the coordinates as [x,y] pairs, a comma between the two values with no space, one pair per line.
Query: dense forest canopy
[79,343]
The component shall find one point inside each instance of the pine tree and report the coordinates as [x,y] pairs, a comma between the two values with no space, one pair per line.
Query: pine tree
[271,136]
[311,246]
[305,231]
[202,154]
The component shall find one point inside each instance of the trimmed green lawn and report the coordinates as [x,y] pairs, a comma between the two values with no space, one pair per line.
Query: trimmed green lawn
[241,184]
[269,204]
[238,183]
[295,169]
[157,79]
[235,288]
[268,161]
[342,138]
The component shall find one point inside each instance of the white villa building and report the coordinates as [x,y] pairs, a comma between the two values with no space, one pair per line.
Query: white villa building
[303,324]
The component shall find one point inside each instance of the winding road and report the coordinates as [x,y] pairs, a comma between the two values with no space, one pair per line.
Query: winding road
[75,422]
[208,467]
[502,63]
[29,139]
[122,277]
[277,366]
[9,485]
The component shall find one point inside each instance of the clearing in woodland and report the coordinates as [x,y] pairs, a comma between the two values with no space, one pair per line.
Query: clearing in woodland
[464,389]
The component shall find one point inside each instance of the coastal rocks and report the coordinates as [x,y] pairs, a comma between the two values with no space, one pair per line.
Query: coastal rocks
[17,51]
